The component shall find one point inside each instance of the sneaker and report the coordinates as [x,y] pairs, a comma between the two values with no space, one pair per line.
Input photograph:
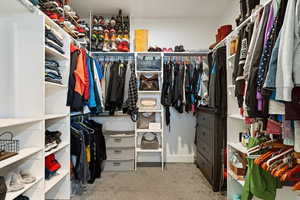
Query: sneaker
[125,46]
[113,35]
[114,46]
[13,183]
[106,46]
[106,35]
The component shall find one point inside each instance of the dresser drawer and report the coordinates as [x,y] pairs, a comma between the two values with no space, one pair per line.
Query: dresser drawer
[205,150]
[120,153]
[205,166]
[205,135]
[205,120]
[119,141]
[119,165]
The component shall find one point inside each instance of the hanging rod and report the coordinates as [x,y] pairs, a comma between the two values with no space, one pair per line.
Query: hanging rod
[200,53]
[237,29]
[113,54]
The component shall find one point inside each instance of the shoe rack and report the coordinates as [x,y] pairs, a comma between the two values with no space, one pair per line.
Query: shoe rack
[29,105]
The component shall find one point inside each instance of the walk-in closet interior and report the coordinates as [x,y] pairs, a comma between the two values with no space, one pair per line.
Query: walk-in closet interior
[150,100]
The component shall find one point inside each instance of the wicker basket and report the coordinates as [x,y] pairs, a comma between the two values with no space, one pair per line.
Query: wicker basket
[8,147]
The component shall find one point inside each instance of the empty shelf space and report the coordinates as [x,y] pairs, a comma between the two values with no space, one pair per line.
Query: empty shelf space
[49,184]
[54,85]
[237,116]
[241,182]
[13,195]
[57,149]
[148,150]
[55,116]
[23,153]
[148,130]
[238,146]
[51,51]
[6,122]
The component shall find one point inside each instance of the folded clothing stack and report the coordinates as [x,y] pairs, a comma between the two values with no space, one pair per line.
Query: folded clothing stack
[54,40]
[52,72]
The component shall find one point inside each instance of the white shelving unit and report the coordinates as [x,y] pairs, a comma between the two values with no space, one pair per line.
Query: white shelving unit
[29,105]
[159,114]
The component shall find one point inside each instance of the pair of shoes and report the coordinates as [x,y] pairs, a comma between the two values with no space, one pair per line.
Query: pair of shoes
[22,197]
[155,49]
[16,181]
[52,140]
[179,48]
[167,50]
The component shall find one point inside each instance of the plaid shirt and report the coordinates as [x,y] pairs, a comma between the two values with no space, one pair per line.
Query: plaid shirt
[131,102]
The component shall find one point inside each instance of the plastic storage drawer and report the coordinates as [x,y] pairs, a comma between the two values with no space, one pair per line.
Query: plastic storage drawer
[119,165]
[120,153]
[119,141]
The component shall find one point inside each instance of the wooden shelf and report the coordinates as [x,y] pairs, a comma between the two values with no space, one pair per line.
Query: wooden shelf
[7,122]
[55,116]
[49,184]
[13,195]
[238,146]
[22,154]
[51,51]
[148,130]
[148,150]
[60,147]
[54,85]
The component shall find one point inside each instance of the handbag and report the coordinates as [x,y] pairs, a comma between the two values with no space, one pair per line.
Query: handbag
[3,188]
[144,119]
[149,82]
[274,127]
[148,103]
[149,141]
[8,147]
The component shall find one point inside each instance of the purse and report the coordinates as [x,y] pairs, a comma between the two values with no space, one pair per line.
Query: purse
[144,119]
[149,141]
[149,82]
[148,103]
[3,188]
[274,127]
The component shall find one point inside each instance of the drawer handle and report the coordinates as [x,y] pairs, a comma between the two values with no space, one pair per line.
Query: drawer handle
[116,164]
[118,140]
[203,133]
[117,151]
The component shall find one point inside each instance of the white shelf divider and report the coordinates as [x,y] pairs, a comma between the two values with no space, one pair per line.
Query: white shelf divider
[51,51]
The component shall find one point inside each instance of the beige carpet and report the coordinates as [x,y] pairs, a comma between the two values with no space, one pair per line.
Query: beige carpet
[177,182]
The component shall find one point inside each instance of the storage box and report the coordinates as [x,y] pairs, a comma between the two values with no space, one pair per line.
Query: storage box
[141,40]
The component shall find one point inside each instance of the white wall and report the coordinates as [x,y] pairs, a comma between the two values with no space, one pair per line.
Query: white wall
[190,32]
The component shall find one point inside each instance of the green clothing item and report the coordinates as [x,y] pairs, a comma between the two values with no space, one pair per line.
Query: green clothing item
[259,183]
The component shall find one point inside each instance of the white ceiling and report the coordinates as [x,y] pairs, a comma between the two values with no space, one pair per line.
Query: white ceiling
[153,8]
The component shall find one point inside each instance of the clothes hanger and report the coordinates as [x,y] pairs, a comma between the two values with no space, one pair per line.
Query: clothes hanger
[288,151]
